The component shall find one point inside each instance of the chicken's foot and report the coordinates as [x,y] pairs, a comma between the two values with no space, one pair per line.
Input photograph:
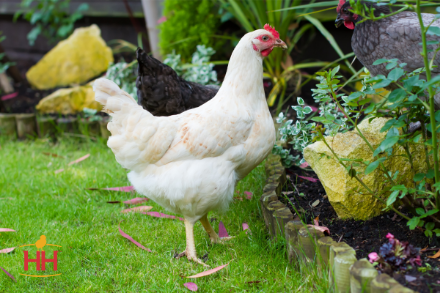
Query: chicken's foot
[190,250]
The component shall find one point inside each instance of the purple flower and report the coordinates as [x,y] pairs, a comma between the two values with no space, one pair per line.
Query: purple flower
[373,257]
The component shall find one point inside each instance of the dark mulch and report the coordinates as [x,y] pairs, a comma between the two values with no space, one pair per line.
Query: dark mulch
[363,236]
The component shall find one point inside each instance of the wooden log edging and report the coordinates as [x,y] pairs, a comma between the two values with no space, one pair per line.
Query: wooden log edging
[24,126]
[346,273]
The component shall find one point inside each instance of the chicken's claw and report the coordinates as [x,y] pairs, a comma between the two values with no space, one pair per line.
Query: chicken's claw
[192,257]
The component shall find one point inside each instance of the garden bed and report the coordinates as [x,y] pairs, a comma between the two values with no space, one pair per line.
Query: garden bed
[364,236]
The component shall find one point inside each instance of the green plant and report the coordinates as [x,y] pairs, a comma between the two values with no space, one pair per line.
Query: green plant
[124,75]
[410,101]
[187,24]
[396,256]
[200,70]
[50,18]
[278,67]
[3,65]
[90,115]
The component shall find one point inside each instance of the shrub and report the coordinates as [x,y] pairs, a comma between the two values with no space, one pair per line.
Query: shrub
[187,24]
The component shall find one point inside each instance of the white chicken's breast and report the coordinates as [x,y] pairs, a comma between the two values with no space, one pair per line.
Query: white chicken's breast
[190,163]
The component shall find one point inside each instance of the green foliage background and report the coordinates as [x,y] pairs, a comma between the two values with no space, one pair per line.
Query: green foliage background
[188,24]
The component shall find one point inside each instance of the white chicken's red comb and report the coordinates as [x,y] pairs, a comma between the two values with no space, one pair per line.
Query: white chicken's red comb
[272,30]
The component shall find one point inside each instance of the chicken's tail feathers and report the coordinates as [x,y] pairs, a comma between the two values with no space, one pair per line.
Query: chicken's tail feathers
[110,95]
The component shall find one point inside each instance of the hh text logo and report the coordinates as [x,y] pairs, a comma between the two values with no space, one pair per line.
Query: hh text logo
[40,260]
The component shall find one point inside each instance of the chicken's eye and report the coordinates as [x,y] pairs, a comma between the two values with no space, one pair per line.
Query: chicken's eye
[345,10]
[265,38]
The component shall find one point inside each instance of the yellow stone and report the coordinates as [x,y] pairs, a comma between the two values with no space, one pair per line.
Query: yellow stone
[69,101]
[346,194]
[76,60]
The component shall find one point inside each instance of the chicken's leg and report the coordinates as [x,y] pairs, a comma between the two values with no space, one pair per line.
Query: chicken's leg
[190,250]
[208,228]
[212,235]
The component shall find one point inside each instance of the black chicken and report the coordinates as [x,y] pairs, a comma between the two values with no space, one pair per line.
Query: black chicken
[394,37]
[163,93]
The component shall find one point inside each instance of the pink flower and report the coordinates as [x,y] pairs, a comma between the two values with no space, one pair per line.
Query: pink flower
[390,236]
[373,257]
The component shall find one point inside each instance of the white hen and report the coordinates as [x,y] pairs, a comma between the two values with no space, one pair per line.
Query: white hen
[190,163]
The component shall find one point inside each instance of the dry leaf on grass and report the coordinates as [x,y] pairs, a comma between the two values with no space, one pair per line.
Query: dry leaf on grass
[123,188]
[136,200]
[222,230]
[248,194]
[137,209]
[7,273]
[437,255]
[7,250]
[125,235]
[191,286]
[79,160]
[6,230]
[246,227]
[53,155]
[59,171]
[161,215]
[208,272]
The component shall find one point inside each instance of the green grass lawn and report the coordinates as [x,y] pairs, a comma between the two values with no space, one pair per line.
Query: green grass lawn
[94,257]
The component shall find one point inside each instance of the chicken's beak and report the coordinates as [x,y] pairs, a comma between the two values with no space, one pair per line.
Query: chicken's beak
[281,44]
[339,21]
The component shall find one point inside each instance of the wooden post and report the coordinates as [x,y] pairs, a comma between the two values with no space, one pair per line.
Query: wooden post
[334,249]
[324,244]
[152,12]
[68,125]
[105,133]
[308,238]
[382,284]
[5,84]
[362,273]
[46,126]
[8,126]
[342,263]
[271,208]
[89,128]
[265,199]
[26,125]
[281,217]
[293,248]
[400,289]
